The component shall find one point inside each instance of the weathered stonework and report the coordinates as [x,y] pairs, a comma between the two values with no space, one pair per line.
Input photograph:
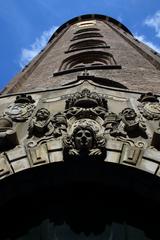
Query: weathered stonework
[91,123]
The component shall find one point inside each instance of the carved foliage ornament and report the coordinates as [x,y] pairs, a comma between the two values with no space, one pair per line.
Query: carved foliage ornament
[21,109]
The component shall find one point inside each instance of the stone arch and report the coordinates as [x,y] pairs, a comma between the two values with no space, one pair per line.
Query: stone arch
[88,59]
[86,30]
[90,43]
[86,35]
[98,195]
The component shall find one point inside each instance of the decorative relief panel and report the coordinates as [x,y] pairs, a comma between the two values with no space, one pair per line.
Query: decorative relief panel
[134,125]
[40,124]
[150,106]
[86,99]
[87,127]
[44,124]
[21,109]
[125,123]
[79,127]
[85,113]
[85,141]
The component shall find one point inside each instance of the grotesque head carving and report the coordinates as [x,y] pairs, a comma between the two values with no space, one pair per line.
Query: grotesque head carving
[40,124]
[83,138]
[84,143]
[129,114]
[42,114]
[133,124]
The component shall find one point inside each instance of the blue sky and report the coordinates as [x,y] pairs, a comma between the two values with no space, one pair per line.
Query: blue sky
[26,25]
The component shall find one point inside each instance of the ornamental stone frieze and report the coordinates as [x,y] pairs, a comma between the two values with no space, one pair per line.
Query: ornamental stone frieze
[89,124]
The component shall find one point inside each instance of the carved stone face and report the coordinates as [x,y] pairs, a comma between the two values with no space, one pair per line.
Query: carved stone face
[84,139]
[42,114]
[129,114]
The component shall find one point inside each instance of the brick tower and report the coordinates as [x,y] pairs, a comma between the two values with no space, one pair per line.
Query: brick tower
[80,138]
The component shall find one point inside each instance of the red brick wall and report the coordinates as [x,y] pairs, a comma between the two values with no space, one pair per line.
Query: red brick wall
[139,71]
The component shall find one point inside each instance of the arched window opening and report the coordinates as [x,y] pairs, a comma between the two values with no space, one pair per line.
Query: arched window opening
[88,44]
[87,60]
[86,30]
[86,23]
[86,35]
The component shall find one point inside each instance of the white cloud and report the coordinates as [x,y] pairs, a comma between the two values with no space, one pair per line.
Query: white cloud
[150,44]
[27,54]
[154,22]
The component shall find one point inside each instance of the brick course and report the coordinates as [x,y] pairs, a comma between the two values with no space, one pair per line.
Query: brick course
[140,66]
